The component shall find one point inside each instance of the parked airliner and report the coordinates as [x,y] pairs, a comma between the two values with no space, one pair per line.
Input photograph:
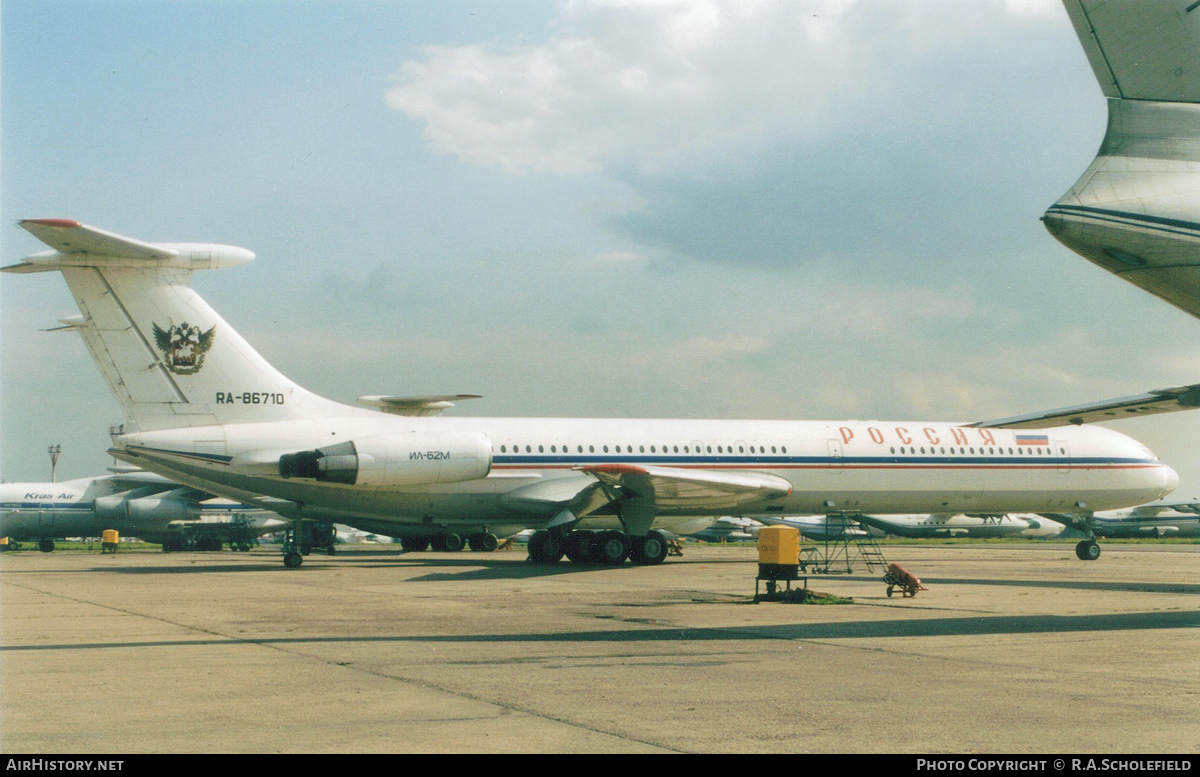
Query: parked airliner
[205,409]
[136,504]
[1157,519]
[944,525]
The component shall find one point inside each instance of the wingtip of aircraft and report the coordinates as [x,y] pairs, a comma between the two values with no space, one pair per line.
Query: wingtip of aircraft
[60,223]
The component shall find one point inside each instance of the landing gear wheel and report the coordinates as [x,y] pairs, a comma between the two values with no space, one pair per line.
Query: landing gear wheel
[483,542]
[578,546]
[545,548]
[292,560]
[414,544]
[1088,550]
[452,543]
[648,550]
[612,547]
[46,545]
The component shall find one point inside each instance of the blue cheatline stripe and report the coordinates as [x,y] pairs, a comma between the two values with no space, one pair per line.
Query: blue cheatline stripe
[81,506]
[217,457]
[536,460]
[1159,223]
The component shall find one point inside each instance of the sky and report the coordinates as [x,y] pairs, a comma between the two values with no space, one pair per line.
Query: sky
[703,209]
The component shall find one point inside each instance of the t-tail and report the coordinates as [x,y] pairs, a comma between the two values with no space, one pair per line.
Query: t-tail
[1136,210]
[170,360]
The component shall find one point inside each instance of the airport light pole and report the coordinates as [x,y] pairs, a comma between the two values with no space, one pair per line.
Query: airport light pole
[54,451]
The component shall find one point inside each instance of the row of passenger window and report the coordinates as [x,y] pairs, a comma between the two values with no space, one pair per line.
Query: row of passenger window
[665,449]
[991,451]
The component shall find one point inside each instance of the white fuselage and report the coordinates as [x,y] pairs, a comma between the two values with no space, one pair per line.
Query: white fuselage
[851,466]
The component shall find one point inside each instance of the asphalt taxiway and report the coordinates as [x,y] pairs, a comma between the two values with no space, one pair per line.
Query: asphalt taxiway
[1015,648]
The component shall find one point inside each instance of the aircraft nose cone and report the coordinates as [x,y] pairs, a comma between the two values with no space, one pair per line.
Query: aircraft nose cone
[1170,480]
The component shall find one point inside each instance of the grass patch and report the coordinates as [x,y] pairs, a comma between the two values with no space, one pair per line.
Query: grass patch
[808,596]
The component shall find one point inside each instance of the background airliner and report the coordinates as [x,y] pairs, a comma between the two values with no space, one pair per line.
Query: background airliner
[136,504]
[1158,519]
[204,408]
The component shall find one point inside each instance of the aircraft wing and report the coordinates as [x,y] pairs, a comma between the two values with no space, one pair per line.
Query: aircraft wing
[672,488]
[1134,210]
[71,237]
[1161,508]
[1167,400]
[140,479]
[418,406]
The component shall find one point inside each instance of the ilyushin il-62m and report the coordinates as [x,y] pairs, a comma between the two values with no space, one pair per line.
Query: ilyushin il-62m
[203,408]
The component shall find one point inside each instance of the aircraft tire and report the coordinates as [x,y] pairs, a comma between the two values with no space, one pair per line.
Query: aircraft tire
[292,560]
[414,544]
[1088,550]
[612,548]
[483,542]
[578,546]
[46,545]
[452,543]
[649,550]
[545,548]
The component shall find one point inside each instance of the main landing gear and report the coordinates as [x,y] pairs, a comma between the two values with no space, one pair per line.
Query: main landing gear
[448,542]
[607,548]
[1088,550]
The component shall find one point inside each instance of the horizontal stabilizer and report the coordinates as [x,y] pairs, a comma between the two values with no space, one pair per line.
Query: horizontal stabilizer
[414,406]
[79,245]
[71,237]
[1168,400]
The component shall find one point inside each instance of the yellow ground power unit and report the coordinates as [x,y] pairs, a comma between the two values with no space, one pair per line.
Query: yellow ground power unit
[778,558]
[779,545]
[109,541]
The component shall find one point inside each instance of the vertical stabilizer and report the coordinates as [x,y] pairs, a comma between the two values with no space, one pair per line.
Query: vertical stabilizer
[170,360]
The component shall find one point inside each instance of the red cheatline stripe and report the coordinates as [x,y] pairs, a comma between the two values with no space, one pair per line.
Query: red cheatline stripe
[1105,467]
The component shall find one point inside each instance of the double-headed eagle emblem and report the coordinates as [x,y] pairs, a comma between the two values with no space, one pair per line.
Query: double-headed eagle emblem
[183,347]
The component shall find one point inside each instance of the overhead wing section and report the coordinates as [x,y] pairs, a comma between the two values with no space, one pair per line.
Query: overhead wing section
[1167,400]
[414,406]
[1141,50]
[1136,210]
[679,490]
[71,237]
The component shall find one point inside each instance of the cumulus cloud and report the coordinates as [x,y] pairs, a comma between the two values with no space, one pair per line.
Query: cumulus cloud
[660,85]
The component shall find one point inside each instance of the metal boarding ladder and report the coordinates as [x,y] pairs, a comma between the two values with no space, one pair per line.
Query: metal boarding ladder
[829,556]
[869,549]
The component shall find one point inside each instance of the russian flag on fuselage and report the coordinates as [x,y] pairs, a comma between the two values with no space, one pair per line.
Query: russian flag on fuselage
[1032,439]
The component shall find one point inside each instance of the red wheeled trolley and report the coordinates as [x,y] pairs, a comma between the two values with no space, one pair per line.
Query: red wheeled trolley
[899,577]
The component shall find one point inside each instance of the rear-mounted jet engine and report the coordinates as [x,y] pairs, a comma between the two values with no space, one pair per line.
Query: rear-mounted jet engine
[394,460]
